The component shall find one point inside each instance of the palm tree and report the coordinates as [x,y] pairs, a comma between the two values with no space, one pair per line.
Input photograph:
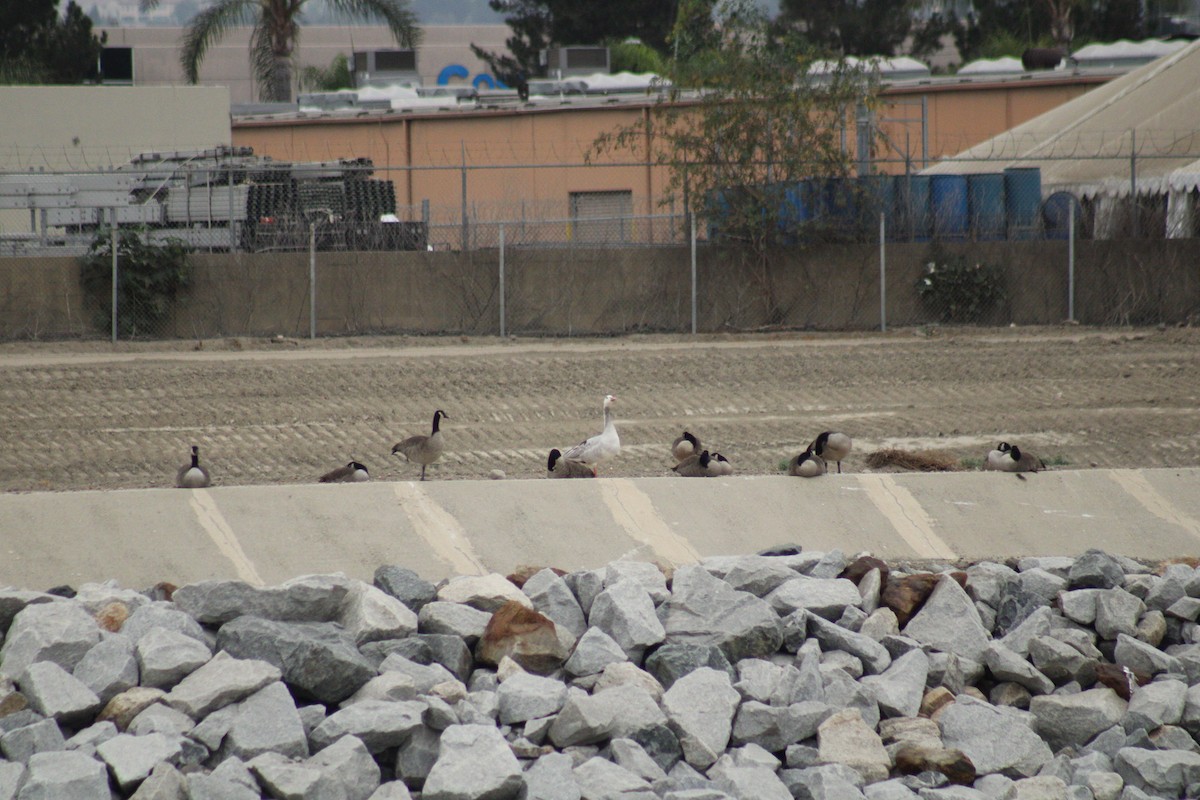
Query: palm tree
[276,25]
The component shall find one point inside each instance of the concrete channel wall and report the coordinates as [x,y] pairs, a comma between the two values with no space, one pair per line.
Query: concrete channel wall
[265,535]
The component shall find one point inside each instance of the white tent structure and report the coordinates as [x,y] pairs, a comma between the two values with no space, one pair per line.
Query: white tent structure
[1132,141]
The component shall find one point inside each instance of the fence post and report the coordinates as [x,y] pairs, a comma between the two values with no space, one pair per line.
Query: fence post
[312,278]
[115,271]
[502,321]
[1071,261]
[882,272]
[692,218]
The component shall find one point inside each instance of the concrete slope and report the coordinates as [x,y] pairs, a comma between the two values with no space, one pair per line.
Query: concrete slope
[269,534]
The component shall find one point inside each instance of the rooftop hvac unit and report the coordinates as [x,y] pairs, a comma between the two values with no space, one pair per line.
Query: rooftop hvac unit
[578,60]
[386,68]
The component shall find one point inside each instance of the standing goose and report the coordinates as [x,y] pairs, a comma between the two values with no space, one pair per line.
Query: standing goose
[192,476]
[694,466]
[831,446]
[719,465]
[353,472]
[1009,458]
[423,450]
[559,467]
[807,465]
[601,447]
[684,446]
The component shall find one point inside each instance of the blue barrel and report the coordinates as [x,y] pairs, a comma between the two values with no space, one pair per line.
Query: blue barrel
[912,208]
[1023,201]
[948,204]
[985,205]
[839,206]
[1056,215]
[796,209]
[718,214]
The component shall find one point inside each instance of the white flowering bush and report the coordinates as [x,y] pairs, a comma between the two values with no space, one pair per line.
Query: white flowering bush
[958,290]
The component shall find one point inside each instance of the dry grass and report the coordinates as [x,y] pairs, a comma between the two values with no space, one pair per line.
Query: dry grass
[913,460]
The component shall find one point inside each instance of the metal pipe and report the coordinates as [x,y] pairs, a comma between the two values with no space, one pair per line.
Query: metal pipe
[1071,261]
[692,217]
[312,279]
[502,320]
[115,272]
[882,272]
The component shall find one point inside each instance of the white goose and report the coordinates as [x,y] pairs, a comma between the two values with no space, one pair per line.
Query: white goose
[603,446]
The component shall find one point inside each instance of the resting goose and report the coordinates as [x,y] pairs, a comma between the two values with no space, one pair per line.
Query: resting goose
[694,466]
[353,472]
[601,447]
[719,465]
[807,465]
[559,467]
[192,476]
[1009,458]
[831,446]
[684,446]
[423,450]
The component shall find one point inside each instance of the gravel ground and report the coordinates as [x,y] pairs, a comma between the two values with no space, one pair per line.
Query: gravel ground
[83,415]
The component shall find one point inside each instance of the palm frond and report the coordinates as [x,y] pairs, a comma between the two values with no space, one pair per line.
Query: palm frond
[208,27]
[396,14]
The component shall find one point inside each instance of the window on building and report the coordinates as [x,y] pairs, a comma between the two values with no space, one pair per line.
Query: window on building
[602,217]
[116,65]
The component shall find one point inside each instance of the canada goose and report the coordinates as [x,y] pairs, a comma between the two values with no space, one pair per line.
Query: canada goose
[192,476]
[831,446]
[353,472]
[807,465]
[684,446]
[559,467]
[601,447]
[719,465]
[694,466]
[424,450]
[1009,458]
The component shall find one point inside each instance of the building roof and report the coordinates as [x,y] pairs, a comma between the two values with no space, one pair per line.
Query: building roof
[1148,119]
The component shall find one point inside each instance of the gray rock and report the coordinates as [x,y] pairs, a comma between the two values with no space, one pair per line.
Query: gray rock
[995,739]
[405,585]
[593,652]
[484,592]
[842,691]
[1079,605]
[625,611]
[845,738]
[826,782]
[164,615]
[766,682]
[900,688]
[14,601]
[158,718]
[1006,665]
[165,782]
[449,651]
[64,775]
[1164,773]
[379,724]
[524,696]
[1066,720]
[165,657]
[672,661]
[1137,655]
[757,782]
[61,633]
[344,769]
[1172,586]
[586,585]
[1117,612]
[986,581]
[1186,608]
[391,685]
[1020,599]
[92,737]
[874,656]
[266,721]
[623,673]
[131,758]
[1156,704]
[454,619]
[53,692]
[775,727]
[704,610]
[1103,785]
[416,757]
[633,757]
[424,676]
[369,615]
[551,777]
[700,708]
[603,780]
[619,711]
[949,622]
[109,667]
[214,787]
[319,660]
[647,575]
[870,588]
[758,575]
[308,598]
[824,597]
[1036,624]
[219,682]
[42,736]
[1060,662]
[1095,569]
[554,599]
[474,763]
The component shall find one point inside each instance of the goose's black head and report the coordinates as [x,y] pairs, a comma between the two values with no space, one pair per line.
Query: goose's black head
[705,458]
[1004,447]
[438,416]
[356,465]
[687,437]
[1015,452]
[195,456]
[555,455]
[820,442]
[720,457]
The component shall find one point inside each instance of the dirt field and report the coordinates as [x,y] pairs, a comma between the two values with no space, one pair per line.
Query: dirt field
[82,415]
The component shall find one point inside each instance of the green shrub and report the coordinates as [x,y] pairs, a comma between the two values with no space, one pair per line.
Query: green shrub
[957,290]
[152,274]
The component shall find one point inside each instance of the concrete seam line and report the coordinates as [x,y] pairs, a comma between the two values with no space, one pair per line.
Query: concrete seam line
[440,530]
[1136,486]
[634,511]
[907,516]
[214,524]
